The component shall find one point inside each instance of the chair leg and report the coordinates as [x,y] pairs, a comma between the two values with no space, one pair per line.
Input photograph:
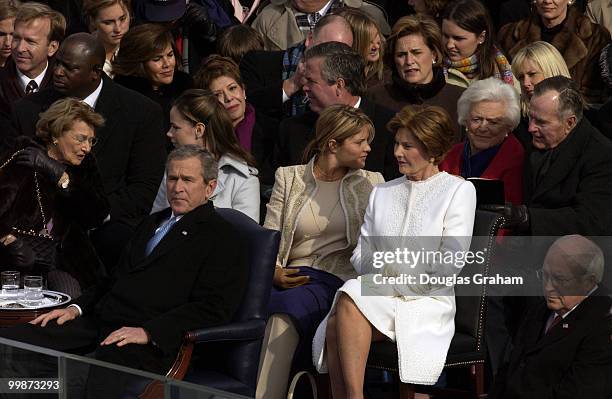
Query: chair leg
[155,389]
[406,391]
[323,386]
[477,376]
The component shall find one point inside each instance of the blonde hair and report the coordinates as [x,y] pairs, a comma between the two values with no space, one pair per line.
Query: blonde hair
[91,8]
[28,12]
[362,26]
[430,125]
[60,117]
[546,57]
[337,122]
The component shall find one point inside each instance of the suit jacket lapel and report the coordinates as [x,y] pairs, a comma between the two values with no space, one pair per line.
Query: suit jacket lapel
[141,239]
[565,161]
[107,106]
[183,231]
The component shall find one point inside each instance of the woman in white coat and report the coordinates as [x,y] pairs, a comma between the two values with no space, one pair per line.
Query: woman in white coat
[424,211]
[196,117]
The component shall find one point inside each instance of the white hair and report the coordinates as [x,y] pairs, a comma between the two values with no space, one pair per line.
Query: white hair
[583,254]
[494,90]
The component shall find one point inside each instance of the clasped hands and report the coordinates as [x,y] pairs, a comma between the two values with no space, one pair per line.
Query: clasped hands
[121,336]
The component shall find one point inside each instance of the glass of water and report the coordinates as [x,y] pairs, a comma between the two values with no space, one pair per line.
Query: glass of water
[32,290]
[10,282]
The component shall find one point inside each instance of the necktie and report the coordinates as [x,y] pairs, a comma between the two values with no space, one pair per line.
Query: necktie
[157,237]
[555,321]
[31,87]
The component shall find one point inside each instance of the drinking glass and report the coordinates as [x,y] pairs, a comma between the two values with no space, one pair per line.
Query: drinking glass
[32,289]
[10,282]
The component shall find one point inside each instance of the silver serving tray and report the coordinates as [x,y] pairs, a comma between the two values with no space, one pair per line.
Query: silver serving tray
[51,300]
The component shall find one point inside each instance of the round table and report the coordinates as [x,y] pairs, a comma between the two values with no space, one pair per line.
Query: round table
[18,314]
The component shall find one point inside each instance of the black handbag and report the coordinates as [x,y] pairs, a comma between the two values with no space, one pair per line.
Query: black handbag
[42,243]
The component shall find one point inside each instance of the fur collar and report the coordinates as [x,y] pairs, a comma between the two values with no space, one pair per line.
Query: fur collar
[571,41]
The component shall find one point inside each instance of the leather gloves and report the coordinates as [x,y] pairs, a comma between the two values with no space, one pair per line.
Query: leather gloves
[198,24]
[36,159]
[517,216]
[21,254]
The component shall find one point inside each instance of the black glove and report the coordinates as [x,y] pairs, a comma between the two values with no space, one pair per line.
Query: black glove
[36,159]
[20,254]
[517,216]
[197,24]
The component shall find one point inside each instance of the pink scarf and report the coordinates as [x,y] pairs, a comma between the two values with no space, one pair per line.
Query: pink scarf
[244,129]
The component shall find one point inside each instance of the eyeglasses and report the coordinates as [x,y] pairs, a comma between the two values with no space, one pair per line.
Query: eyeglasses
[557,281]
[478,122]
[81,138]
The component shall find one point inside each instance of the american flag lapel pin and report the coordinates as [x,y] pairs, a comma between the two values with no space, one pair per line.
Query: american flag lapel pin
[565,325]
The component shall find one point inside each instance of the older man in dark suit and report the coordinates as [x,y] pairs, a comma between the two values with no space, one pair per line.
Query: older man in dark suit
[131,145]
[568,172]
[334,75]
[185,268]
[563,348]
[36,37]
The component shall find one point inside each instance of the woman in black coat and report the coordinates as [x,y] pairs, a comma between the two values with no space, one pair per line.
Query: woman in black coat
[147,63]
[50,188]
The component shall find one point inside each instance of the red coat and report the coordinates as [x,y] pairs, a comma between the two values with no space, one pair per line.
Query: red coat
[506,165]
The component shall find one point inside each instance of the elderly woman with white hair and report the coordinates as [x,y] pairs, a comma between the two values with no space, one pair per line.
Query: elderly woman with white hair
[490,111]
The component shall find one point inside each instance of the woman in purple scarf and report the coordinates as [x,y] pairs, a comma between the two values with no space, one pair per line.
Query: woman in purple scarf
[256,133]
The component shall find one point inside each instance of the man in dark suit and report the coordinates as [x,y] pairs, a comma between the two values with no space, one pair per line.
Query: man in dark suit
[36,37]
[273,78]
[185,268]
[334,75]
[563,348]
[567,175]
[131,145]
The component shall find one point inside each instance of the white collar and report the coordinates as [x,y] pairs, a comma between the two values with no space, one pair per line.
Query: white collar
[325,8]
[24,80]
[358,103]
[575,306]
[92,99]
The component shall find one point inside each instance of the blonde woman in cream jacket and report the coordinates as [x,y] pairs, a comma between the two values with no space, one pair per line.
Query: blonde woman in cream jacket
[319,208]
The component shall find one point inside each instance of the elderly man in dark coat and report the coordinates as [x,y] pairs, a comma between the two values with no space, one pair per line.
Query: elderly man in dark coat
[568,173]
[563,348]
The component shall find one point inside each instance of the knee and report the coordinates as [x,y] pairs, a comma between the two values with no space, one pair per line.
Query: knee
[346,306]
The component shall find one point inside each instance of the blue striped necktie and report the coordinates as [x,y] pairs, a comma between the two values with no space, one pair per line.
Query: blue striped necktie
[157,237]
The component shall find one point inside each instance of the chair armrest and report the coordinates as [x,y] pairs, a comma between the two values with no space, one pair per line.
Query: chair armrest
[237,331]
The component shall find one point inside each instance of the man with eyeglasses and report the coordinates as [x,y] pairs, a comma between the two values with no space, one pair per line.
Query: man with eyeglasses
[563,348]
[131,145]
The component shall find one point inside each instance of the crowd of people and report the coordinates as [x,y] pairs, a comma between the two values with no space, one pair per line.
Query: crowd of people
[125,123]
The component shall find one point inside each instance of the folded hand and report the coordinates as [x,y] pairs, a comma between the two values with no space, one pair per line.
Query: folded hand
[283,279]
